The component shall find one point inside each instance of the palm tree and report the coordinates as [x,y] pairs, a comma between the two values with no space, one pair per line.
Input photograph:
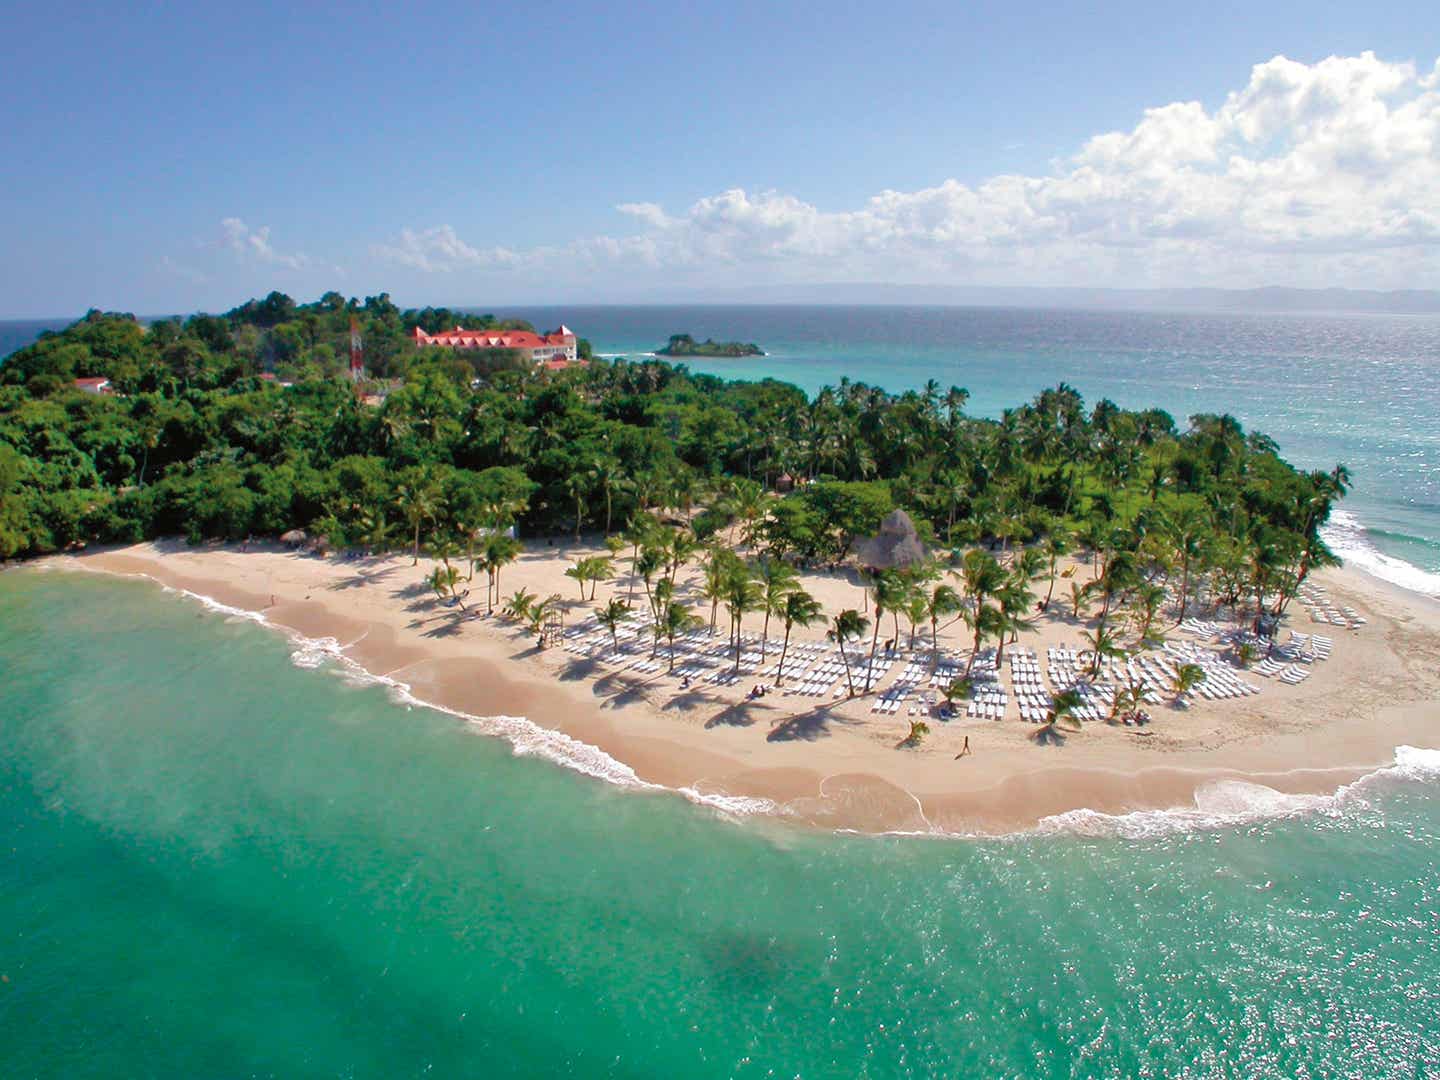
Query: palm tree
[800,609]
[680,547]
[1015,600]
[849,625]
[677,619]
[579,573]
[889,590]
[519,605]
[499,551]
[1187,677]
[419,502]
[649,563]
[1189,530]
[577,484]
[637,533]
[601,568]
[1062,710]
[717,571]
[608,474]
[741,595]
[538,612]
[611,616]
[776,581]
[1145,607]
[983,577]
[918,730]
[1103,643]
[956,689]
[940,601]
[1057,543]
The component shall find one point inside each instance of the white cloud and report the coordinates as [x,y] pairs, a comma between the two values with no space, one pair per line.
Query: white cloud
[255,243]
[439,249]
[1327,173]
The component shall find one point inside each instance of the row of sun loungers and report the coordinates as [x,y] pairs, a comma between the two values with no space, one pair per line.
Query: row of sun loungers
[815,669]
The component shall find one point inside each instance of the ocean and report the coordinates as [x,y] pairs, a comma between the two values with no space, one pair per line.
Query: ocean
[1358,389]
[232,857]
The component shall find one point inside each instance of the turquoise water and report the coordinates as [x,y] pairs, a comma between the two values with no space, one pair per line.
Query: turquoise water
[218,863]
[1362,389]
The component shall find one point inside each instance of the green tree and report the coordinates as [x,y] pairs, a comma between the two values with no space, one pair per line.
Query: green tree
[611,616]
[799,609]
[1187,677]
[776,581]
[848,625]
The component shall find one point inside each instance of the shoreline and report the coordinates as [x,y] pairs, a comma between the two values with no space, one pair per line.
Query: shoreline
[844,776]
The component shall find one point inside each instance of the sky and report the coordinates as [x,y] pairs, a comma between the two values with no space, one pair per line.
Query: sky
[170,158]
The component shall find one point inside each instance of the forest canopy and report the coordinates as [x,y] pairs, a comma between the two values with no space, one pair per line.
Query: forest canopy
[203,438]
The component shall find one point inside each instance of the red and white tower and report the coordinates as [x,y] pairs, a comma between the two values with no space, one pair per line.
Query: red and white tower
[357,369]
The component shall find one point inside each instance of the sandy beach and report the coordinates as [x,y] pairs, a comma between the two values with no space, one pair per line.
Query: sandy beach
[833,763]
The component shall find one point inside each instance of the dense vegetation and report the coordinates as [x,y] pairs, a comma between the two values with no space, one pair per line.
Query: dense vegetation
[685,345]
[447,446]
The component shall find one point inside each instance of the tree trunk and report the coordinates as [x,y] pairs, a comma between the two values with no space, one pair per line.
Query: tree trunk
[780,670]
[1050,591]
[874,638]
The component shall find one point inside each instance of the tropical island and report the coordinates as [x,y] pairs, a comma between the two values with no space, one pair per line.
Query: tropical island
[685,345]
[808,605]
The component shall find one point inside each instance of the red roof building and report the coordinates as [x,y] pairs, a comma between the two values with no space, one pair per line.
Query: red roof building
[555,350]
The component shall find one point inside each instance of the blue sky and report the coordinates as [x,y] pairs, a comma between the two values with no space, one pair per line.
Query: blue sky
[169,157]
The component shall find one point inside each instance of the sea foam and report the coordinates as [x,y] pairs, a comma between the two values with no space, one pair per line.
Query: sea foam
[1226,804]
[1348,538]
[526,738]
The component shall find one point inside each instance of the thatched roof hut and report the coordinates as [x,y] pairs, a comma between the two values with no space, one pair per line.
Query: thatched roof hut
[294,538]
[897,545]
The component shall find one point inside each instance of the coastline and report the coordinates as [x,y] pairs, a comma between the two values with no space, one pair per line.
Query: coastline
[1380,691]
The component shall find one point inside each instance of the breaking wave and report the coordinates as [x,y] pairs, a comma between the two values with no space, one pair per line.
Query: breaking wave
[1349,539]
[1226,804]
[526,738]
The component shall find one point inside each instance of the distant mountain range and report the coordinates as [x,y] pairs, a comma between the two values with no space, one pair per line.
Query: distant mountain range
[1274,299]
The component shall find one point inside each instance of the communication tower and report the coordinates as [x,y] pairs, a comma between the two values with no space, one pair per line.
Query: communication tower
[357,368]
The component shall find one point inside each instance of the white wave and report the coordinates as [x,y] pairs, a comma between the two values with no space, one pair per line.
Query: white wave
[311,653]
[526,738]
[1348,538]
[1226,804]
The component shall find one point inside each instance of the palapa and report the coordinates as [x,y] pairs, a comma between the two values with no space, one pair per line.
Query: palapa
[896,546]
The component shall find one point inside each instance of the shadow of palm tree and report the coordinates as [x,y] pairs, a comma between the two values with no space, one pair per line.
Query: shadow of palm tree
[1049,736]
[809,726]
[356,581]
[579,668]
[692,699]
[415,588]
[741,714]
[448,628]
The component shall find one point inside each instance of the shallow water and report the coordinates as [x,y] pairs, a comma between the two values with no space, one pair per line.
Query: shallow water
[223,862]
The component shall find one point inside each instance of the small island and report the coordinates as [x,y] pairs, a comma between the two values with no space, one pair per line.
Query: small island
[685,345]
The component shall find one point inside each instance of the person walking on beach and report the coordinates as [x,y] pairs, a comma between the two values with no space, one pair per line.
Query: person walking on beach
[964,749]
